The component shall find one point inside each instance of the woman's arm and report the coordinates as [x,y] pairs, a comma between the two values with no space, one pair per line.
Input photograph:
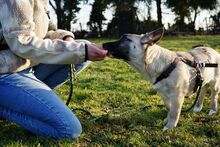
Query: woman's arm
[19,32]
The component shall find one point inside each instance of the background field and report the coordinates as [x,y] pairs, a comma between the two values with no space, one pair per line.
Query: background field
[126,110]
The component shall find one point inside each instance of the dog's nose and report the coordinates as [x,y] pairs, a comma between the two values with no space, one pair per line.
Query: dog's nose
[105,46]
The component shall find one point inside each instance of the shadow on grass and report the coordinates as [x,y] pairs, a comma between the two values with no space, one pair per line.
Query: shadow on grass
[101,131]
[119,129]
[13,135]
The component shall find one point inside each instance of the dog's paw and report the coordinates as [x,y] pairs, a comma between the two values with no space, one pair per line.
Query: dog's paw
[165,120]
[197,109]
[211,112]
[165,129]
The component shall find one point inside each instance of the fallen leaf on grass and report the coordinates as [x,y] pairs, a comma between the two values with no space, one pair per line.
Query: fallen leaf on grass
[205,120]
[88,140]
[202,120]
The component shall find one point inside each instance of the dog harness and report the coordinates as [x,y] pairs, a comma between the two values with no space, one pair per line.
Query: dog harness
[198,80]
[172,66]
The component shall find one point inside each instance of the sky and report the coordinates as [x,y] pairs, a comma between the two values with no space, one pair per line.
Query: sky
[84,14]
[168,16]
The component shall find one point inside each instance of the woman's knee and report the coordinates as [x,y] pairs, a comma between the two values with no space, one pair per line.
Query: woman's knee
[72,128]
[75,129]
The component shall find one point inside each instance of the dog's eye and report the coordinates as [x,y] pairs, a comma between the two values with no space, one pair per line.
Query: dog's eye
[126,39]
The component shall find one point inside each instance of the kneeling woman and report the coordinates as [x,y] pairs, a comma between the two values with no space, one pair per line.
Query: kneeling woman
[34,61]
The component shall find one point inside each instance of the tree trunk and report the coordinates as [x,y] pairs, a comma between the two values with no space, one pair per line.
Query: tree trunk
[67,26]
[181,23]
[60,14]
[69,21]
[159,12]
[60,21]
[100,29]
[194,20]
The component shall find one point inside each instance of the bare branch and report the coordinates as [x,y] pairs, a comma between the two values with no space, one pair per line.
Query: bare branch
[52,6]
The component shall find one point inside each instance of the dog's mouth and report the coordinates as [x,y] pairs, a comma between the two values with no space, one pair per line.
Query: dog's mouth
[109,46]
[117,49]
[110,54]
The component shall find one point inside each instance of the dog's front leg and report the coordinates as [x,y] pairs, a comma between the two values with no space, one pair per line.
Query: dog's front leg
[174,112]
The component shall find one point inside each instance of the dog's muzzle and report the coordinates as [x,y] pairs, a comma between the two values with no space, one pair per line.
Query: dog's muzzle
[117,49]
[110,47]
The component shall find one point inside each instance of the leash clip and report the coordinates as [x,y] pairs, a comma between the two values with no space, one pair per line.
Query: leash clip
[200,64]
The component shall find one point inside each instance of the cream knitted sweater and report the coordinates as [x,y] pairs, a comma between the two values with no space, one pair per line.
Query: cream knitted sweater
[24,28]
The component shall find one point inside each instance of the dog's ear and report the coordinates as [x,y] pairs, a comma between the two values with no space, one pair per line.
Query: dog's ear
[153,37]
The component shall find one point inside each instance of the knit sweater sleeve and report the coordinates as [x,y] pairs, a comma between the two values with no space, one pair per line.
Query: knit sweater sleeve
[19,32]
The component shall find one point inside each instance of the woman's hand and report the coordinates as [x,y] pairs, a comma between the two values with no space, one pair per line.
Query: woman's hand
[96,53]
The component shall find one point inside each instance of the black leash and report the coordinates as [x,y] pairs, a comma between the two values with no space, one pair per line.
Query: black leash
[72,76]
[199,81]
[194,103]
[198,84]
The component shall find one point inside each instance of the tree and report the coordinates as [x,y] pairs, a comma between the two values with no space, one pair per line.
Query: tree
[96,15]
[159,12]
[215,28]
[149,8]
[124,17]
[124,20]
[126,12]
[66,12]
[181,9]
[197,5]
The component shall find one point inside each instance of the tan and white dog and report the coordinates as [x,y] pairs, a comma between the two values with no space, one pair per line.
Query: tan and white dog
[150,60]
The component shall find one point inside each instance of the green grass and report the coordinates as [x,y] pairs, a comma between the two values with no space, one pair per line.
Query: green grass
[116,95]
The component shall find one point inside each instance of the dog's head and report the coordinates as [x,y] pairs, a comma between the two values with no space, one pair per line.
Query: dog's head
[131,46]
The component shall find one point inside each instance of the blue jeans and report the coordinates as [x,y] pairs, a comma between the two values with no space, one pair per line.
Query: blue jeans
[27,99]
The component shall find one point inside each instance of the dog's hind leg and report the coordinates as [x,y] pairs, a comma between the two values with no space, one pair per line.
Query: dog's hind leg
[199,104]
[174,112]
[214,100]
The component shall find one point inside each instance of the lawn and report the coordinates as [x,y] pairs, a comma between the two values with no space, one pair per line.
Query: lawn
[126,110]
